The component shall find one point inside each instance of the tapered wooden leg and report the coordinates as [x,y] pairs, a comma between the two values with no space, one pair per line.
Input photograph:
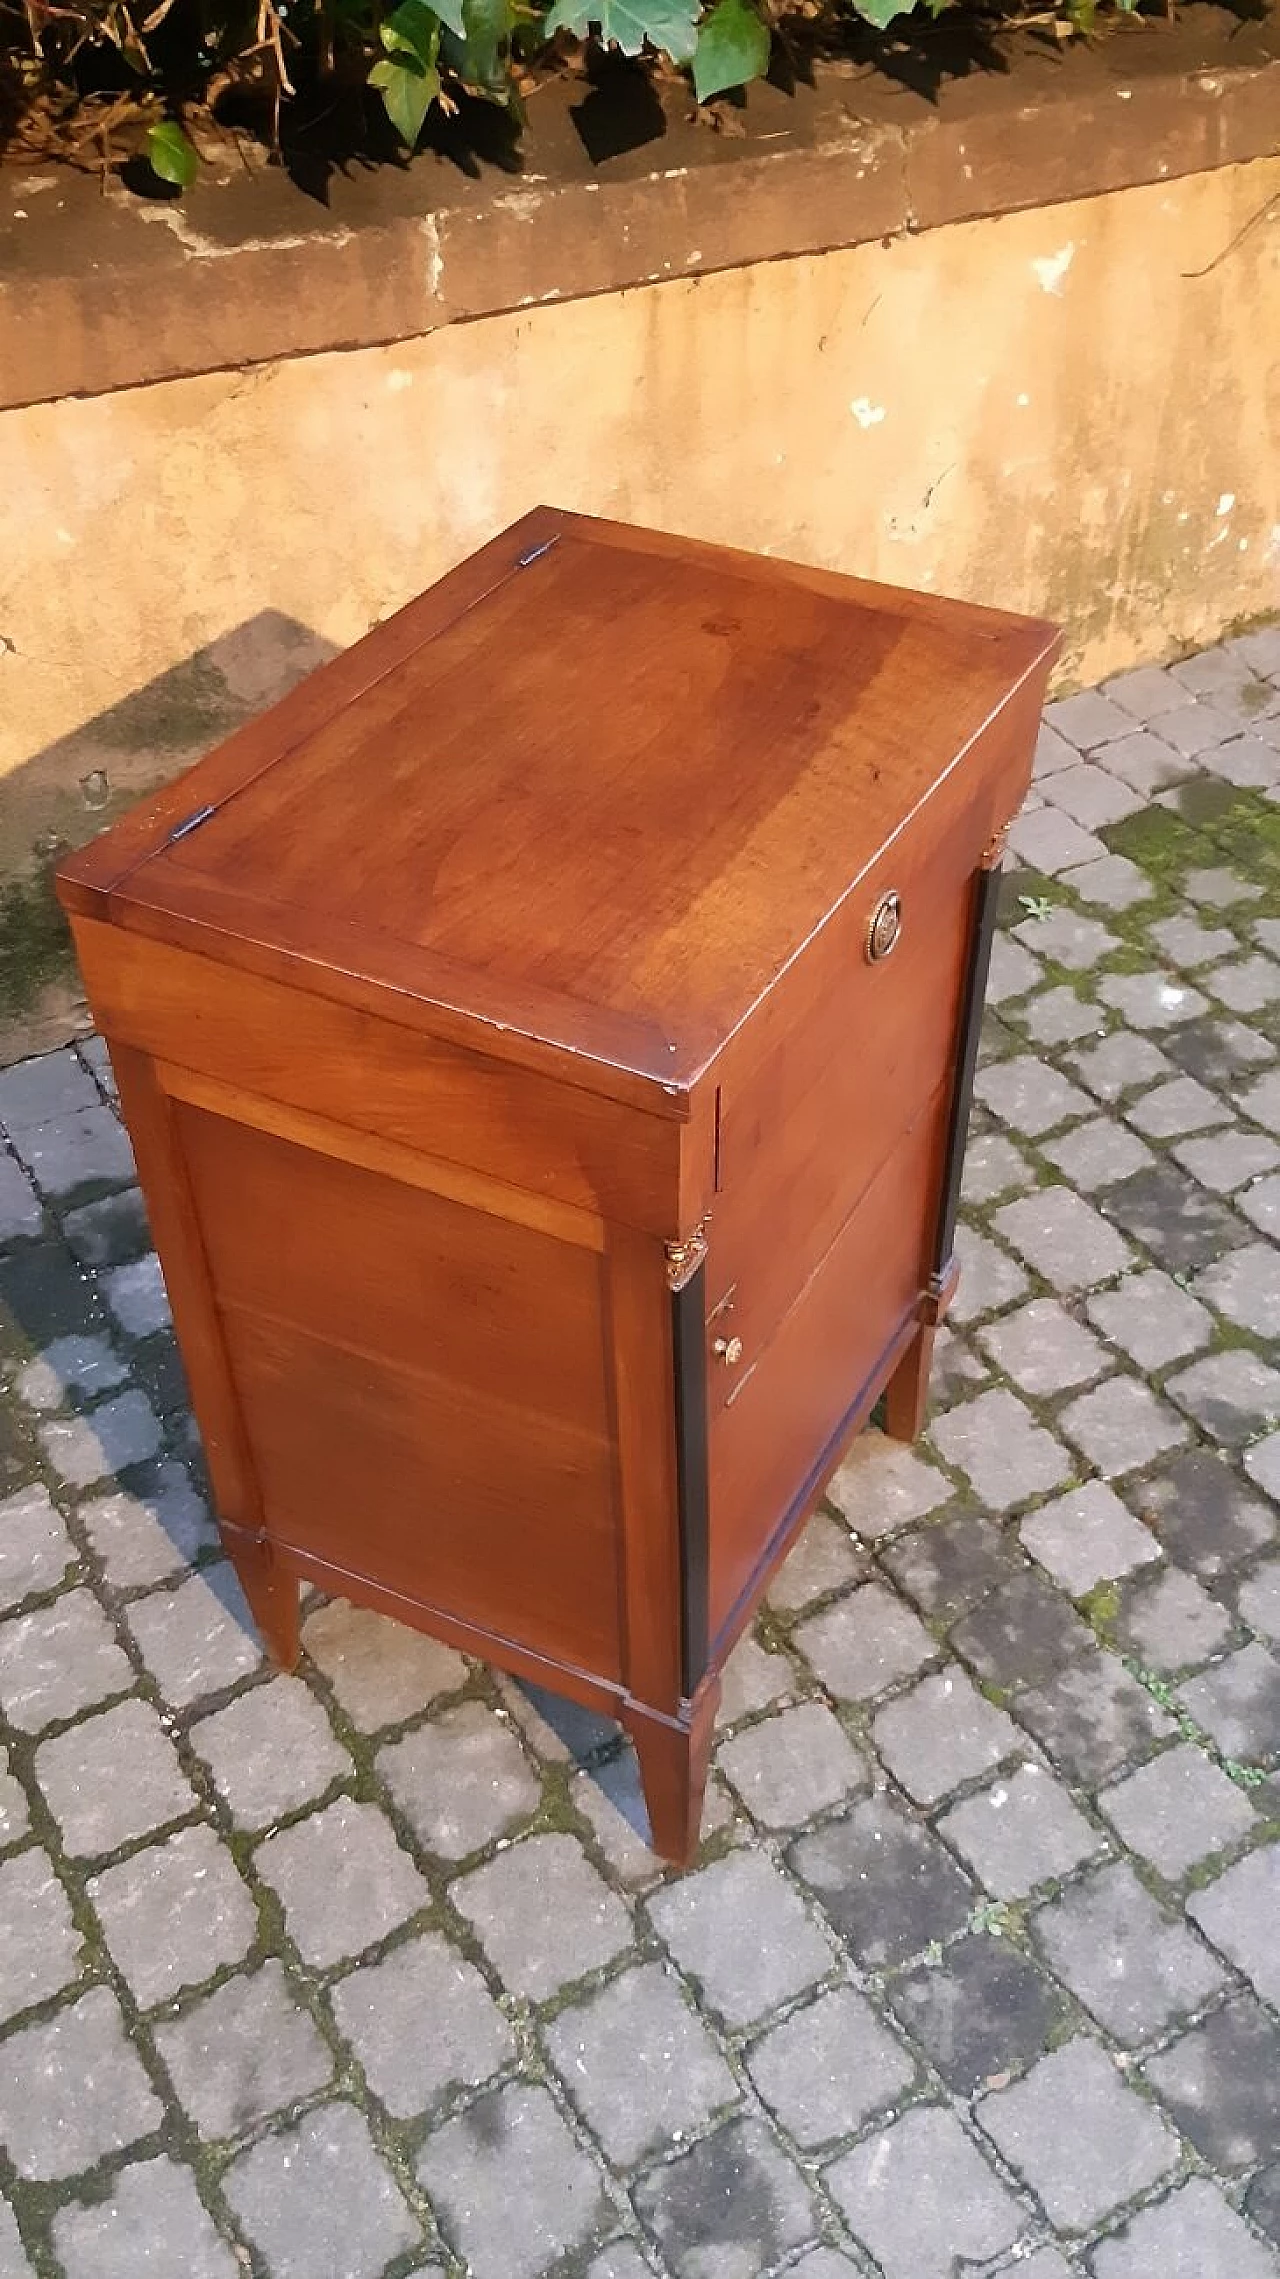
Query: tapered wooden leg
[272,1591]
[674,1755]
[907,1391]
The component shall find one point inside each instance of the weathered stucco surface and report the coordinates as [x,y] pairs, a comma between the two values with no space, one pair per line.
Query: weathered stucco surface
[1074,409]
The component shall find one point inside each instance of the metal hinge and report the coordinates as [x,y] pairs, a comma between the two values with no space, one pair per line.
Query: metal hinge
[191,823]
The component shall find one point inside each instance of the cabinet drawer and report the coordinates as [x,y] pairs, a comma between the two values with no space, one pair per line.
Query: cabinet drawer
[805,1134]
[789,1408]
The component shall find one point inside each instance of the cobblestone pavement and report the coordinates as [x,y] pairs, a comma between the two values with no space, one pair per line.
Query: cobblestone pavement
[369,1972]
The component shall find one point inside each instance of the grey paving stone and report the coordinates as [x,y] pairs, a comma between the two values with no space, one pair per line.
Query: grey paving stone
[72,2090]
[1151,1319]
[1120,1064]
[1014,971]
[13,1805]
[882,1486]
[13,2261]
[1131,1967]
[558,1730]
[39,1943]
[543,1915]
[1238,1703]
[1216,672]
[1084,2141]
[753,1679]
[828,2067]
[1250,984]
[621,2261]
[1227,1161]
[35,1548]
[993,1167]
[1087,1537]
[789,1767]
[79,1774]
[734,2203]
[1262,1463]
[822,1560]
[1245,1286]
[865,1643]
[1048,841]
[1063,1238]
[174,1914]
[111,1438]
[1146,692]
[1221,1052]
[1152,1000]
[1260,651]
[820,2263]
[152,1533]
[886,1883]
[1121,1426]
[381,1671]
[1098,1153]
[270,1752]
[1248,761]
[1093,1717]
[1180,1106]
[1060,1017]
[1021,1832]
[342,1879]
[1046,2263]
[955,1372]
[1193,2234]
[1089,720]
[1239,1912]
[1258,1600]
[199,1638]
[81,1149]
[1261,1204]
[512,2190]
[1192,730]
[1262,1101]
[1232,1394]
[21,1217]
[242,2053]
[741,1932]
[921,2199]
[1052,751]
[57,1660]
[421,2021]
[1191,944]
[137,1297]
[989,1278]
[153,2222]
[97,1059]
[43,1090]
[1204,1515]
[1043,1348]
[461,1780]
[1030,1096]
[43,1295]
[1023,1634]
[72,1368]
[1003,1452]
[319,2198]
[941,1734]
[1070,940]
[639,2064]
[611,1799]
[1170,1622]
[109,1231]
[1094,795]
[1221,2082]
[951,1563]
[983,2010]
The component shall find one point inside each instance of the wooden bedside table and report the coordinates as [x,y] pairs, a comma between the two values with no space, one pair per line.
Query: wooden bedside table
[547,1041]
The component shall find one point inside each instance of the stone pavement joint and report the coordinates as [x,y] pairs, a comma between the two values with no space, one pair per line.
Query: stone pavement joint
[368,1971]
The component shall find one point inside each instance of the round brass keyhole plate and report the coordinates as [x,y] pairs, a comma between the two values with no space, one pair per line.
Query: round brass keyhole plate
[884,928]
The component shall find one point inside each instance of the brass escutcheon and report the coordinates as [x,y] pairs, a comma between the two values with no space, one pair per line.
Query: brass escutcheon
[728,1350]
[884,928]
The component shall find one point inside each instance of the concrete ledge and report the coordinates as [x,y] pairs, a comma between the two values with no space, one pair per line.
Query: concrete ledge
[100,292]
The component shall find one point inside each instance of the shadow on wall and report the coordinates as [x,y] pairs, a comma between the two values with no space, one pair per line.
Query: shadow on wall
[65,794]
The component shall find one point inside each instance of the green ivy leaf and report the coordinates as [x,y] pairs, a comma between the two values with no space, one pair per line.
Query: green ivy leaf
[733,46]
[408,89]
[627,24]
[414,29]
[172,156]
[479,54]
[881,13]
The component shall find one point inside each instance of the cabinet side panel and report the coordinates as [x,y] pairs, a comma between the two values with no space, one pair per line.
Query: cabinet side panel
[422,1387]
